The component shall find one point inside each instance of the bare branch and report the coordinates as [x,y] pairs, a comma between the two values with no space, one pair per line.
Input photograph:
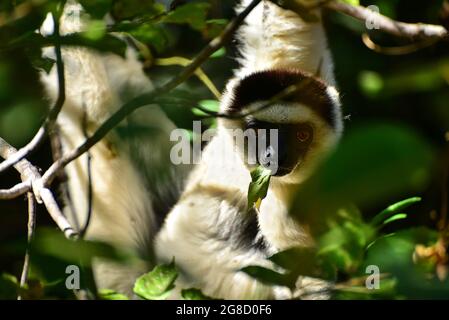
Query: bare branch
[396,51]
[30,174]
[415,31]
[31,228]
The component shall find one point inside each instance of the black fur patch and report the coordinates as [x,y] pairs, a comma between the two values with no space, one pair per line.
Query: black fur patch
[264,85]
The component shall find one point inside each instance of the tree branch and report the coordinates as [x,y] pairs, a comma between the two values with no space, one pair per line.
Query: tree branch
[31,228]
[30,174]
[415,31]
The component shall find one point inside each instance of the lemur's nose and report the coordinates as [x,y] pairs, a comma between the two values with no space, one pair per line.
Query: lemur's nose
[275,156]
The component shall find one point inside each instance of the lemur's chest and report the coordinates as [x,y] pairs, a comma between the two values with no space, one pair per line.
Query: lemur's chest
[279,229]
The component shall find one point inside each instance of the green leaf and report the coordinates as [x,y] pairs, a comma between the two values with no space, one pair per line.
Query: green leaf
[396,217]
[219,53]
[371,83]
[372,163]
[129,9]
[194,294]
[9,287]
[152,34]
[393,209]
[107,294]
[53,243]
[258,188]
[352,2]
[209,105]
[299,260]
[270,277]
[158,283]
[96,29]
[97,8]
[193,14]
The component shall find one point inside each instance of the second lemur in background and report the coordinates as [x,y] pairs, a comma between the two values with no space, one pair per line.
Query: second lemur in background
[210,232]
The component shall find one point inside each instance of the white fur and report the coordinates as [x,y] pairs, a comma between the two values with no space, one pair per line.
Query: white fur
[215,196]
[217,190]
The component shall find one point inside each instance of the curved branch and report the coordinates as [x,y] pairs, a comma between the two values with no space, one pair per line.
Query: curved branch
[416,31]
[30,174]
[16,191]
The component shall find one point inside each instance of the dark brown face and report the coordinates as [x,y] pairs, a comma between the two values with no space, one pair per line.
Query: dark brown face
[283,154]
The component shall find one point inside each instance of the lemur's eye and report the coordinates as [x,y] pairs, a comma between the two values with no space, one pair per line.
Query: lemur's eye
[303,135]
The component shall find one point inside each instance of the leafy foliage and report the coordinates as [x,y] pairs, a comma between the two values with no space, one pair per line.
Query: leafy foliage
[157,284]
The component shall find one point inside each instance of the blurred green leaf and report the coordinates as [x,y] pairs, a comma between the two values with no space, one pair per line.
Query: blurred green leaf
[393,209]
[371,83]
[53,243]
[270,277]
[209,105]
[219,53]
[157,284]
[97,8]
[9,287]
[194,294]
[152,34]
[394,255]
[193,14]
[28,115]
[351,2]
[106,294]
[129,9]
[387,290]
[96,29]
[372,163]
[298,260]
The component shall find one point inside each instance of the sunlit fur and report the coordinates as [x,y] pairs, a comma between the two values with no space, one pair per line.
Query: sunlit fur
[204,232]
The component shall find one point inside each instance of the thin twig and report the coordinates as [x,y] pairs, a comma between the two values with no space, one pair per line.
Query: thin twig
[202,76]
[415,31]
[31,228]
[89,178]
[398,50]
[16,191]
[30,174]
[49,123]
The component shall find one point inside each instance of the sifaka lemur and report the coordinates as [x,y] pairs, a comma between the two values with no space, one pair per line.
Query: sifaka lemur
[209,231]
